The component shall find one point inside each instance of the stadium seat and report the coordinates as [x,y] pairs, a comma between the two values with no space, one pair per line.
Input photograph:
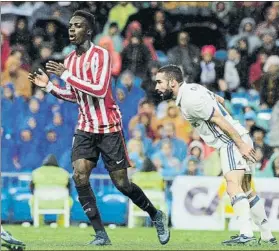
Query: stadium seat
[19,204]
[113,206]
[152,184]
[5,205]
[263,118]
[51,200]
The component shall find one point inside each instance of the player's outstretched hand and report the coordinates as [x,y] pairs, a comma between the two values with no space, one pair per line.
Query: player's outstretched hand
[55,68]
[38,78]
[248,152]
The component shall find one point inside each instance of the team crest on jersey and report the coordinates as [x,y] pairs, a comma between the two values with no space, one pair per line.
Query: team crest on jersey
[87,65]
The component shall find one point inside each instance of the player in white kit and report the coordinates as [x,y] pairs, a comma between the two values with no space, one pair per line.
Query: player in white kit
[8,241]
[205,111]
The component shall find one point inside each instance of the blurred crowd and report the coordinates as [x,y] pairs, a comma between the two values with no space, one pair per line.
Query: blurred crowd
[230,47]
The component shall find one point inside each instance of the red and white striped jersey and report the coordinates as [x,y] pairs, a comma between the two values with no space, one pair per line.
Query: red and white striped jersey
[87,79]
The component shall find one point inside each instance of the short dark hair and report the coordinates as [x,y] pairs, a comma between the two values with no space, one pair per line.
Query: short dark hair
[88,16]
[172,72]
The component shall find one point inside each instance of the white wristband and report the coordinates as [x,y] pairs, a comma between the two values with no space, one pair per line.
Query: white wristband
[65,75]
[49,86]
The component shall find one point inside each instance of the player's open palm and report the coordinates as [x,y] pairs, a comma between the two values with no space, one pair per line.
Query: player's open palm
[40,79]
[247,152]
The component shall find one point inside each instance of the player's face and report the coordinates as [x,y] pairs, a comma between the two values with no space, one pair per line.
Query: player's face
[78,30]
[163,86]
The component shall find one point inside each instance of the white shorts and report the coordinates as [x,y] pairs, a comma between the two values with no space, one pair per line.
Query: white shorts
[231,158]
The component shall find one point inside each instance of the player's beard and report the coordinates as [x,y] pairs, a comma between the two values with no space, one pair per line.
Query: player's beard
[168,94]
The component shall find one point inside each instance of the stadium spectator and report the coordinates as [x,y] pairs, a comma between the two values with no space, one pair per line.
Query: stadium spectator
[247,30]
[274,126]
[148,84]
[139,133]
[135,27]
[5,50]
[270,24]
[196,148]
[12,107]
[52,141]
[179,146]
[136,56]
[111,30]
[269,43]
[21,35]
[223,11]
[13,74]
[256,69]
[54,36]
[160,29]
[135,149]
[191,166]
[128,95]
[45,52]
[36,41]
[145,106]
[107,43]
[262,160]
[211,70]
[165,161]
[246,9]
[272,167]
[34,110]
[275,166]
[20,53]
[185,55]
[120,13]
[182,127]
[27,153]
[250,119]
[235,73]
[258,135]
[7,150]
[268,83]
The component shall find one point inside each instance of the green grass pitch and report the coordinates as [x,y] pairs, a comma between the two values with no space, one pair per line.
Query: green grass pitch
[75,238]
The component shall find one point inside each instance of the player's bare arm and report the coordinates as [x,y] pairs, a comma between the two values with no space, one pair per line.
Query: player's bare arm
[220,99]
[246,150]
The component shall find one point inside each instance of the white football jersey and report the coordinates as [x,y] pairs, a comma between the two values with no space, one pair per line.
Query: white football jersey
[197,105]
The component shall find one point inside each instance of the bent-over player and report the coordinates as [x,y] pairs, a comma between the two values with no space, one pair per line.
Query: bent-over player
[204,110]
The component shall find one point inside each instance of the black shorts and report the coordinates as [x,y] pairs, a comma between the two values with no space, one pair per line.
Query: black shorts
[111,146]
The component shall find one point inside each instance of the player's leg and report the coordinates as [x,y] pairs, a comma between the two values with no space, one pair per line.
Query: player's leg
[114,154]
[8,241]
[258,212]
[234,172]
[84,158]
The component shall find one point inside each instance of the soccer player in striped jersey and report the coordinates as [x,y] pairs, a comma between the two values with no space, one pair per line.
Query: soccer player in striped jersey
[8,241]
[205,111]
[87,74]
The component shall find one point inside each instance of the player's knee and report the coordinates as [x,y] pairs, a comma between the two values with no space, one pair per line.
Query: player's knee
[124,187]
[234,182]
[246,183]
[80,177]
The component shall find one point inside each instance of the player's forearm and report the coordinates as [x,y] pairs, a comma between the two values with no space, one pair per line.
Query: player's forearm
[228,129]
[97,90]
[61,93]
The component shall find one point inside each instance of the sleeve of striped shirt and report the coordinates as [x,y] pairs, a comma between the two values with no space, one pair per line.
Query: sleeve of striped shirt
[66,93]
[101,74]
